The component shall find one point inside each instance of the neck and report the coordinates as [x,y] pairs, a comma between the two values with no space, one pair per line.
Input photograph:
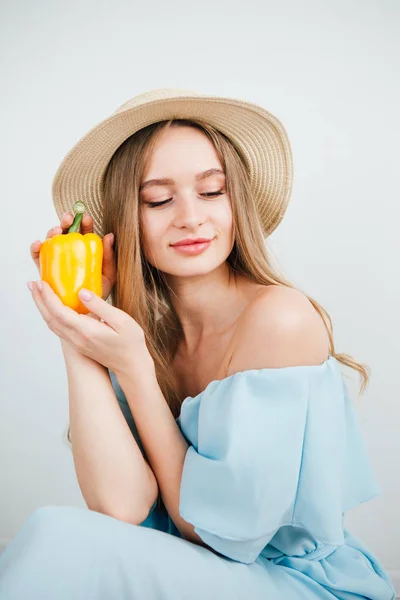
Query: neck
[206,305]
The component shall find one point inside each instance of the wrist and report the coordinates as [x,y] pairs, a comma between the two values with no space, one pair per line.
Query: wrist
[71,353]
[142,370]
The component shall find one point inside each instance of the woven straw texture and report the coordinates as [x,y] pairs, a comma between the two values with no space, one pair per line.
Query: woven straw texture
[259,135]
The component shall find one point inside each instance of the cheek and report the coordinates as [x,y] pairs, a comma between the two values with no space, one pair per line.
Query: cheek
[227,224]
[224,217]
[152,236]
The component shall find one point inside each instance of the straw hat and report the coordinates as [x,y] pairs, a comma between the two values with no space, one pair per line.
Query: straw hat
[256,132]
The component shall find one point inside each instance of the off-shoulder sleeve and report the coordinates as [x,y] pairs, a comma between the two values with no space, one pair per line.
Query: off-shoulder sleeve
[269,448]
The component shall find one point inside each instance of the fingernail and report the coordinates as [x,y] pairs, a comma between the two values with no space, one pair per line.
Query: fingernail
[30,286]
[85,294]
[111,236]
[39,285]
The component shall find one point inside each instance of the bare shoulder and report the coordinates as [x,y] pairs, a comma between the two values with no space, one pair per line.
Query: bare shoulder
[279,328]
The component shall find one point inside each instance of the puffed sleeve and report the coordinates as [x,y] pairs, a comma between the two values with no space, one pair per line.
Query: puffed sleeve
[268,449]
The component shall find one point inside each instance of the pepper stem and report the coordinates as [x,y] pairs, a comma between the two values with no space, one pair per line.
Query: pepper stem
[79,209]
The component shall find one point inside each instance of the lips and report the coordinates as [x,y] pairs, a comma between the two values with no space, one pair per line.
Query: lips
[188,241]
[192,249]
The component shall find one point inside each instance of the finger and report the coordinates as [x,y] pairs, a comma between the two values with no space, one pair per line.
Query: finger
[114,317]
[54,231]
[39,302]
[108,241]
[59,316]
[66,221]
[50,321]
[35,252]
[109,268]
[86,224]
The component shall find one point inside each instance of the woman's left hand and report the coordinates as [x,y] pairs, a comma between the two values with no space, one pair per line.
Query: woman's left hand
[118,343]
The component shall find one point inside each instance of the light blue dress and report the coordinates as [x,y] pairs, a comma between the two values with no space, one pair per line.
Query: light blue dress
[275,459]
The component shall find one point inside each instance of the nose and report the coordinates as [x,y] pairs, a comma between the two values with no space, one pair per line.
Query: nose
[189,213]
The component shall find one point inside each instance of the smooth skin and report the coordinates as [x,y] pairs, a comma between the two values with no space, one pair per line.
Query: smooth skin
[118,344]
[202,285]
[109,473]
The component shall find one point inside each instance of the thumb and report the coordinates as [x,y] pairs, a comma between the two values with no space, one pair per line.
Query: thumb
[102,309]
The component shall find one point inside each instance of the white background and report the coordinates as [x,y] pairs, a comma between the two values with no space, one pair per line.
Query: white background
[329,70]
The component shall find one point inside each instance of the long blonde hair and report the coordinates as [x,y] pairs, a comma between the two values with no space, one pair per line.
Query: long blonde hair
[141,290]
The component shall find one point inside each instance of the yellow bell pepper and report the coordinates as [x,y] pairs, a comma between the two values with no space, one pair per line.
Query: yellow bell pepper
[71,261]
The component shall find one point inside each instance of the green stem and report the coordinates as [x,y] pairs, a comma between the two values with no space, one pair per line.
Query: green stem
[79,209]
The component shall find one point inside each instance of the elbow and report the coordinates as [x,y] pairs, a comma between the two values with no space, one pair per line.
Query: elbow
[133,517]
[136,512]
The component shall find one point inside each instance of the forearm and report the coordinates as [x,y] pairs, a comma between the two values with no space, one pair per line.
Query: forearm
[113,476]
[164,444]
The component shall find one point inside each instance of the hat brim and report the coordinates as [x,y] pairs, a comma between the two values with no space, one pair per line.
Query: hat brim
[258,134]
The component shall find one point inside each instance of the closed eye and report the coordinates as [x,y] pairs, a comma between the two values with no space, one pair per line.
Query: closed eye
[207,194]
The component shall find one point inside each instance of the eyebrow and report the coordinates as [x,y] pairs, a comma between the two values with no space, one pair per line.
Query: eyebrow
[165,181]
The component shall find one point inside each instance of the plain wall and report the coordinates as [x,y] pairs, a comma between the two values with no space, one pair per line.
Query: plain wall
[329,71]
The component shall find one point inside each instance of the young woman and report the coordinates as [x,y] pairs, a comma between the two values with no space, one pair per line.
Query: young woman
[212,432]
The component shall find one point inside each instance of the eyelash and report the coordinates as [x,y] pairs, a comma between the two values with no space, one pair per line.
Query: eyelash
[153,204]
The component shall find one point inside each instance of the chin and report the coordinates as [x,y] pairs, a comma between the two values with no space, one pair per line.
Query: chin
[184,266]
[189,270]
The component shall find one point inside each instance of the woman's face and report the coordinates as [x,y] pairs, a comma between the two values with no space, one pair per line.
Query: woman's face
[192,206]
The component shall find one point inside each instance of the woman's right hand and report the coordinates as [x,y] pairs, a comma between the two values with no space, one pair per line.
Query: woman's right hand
[109,271]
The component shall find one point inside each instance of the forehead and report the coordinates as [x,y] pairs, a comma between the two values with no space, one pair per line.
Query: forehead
[181,151]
